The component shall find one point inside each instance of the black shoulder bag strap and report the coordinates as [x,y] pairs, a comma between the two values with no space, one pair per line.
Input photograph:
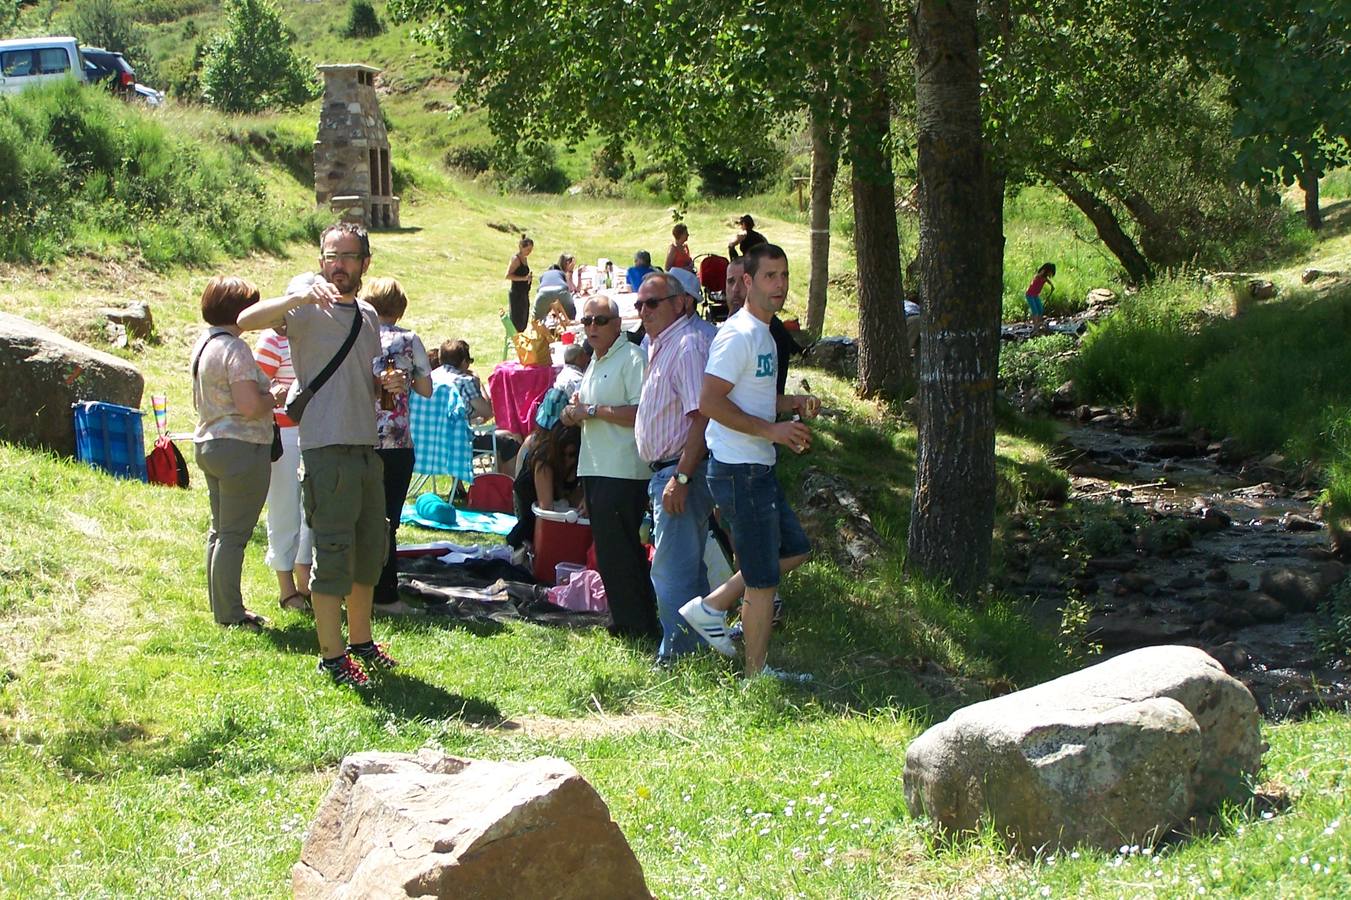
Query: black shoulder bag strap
[327,372]
[198,358]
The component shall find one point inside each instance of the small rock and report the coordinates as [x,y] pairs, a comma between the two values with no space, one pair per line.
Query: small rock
[1231,655]
[1239,584]
[1178,449]
[1185,583]
[1312,275]
[1136,581]
[1112,564]
[1217,576]
[1261,289]
[1296,522]
[1208,520]
[1263,607]
[1296,591]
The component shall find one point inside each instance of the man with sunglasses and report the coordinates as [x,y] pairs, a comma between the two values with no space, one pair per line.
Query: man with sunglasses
[613,475]
[670,434]
[740,398]
[343,483]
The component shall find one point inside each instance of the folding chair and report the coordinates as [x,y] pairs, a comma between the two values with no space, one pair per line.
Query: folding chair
[713,279]
[492,492]
[510,330]
[484,461]
[439,426]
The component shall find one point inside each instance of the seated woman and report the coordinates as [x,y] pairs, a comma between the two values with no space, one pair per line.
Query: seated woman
[642,266]
[557,284]
[547,478]
[454,370]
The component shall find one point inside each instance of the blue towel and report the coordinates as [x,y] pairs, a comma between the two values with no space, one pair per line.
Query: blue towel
[462,520]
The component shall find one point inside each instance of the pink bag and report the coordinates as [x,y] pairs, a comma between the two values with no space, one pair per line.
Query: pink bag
[584,592]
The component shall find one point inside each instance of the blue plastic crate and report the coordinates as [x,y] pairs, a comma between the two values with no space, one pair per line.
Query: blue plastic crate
[109,437]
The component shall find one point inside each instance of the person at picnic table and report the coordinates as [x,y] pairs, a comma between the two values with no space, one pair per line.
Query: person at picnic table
[344,493]
[232,443]
[401,351]
[455,371]
[641,268]
[669,431]
[613,474]
[746,239]
[739,398]
[678,255]
[518,273]
[558,284]
[547,477]
[576,357]
[290,542]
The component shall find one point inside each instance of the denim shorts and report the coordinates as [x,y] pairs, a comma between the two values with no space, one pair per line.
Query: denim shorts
[1033,304]
[764,527]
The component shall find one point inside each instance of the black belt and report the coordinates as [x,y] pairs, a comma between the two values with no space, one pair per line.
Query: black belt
[658,466]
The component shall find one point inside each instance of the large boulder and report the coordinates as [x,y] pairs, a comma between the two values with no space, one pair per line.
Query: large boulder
[1121,752]
[397,825]
[44,373]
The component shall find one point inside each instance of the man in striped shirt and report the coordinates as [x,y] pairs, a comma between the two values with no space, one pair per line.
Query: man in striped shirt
[669,430]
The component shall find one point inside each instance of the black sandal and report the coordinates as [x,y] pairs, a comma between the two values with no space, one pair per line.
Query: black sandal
[296,602]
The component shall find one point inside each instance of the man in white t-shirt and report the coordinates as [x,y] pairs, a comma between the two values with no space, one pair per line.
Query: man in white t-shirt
[741,400]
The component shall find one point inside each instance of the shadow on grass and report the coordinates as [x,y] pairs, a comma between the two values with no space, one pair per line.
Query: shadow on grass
[409,697]
[83,751]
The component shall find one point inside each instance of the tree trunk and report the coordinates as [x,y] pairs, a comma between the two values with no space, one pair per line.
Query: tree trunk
[1308,180]
[952,515]
[883,354]
[1105,223]
[1159,240]
[825,155]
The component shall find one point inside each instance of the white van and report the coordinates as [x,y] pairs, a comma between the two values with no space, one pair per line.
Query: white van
[25,62]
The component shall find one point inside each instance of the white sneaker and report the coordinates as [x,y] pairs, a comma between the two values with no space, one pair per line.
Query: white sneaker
[781,675]
[712,627]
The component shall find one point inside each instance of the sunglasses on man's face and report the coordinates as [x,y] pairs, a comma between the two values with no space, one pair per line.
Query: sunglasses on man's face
[597,320]
[330,256]
[654,302]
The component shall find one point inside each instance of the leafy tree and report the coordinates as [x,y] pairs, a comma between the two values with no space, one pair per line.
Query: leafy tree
[249,66]
[9,14]
[1288,63]
[739,70]
[362,20]
[110,25]
[961,250]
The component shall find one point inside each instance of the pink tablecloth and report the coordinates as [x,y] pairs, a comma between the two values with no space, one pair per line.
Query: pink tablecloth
[514,390]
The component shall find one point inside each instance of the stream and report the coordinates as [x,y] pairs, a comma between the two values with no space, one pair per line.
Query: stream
[1189,544]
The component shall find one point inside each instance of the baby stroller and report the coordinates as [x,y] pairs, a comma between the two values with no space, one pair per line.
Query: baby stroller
[713,280]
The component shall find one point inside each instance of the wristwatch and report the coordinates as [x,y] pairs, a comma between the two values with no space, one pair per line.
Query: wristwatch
[681,478]
[591,411]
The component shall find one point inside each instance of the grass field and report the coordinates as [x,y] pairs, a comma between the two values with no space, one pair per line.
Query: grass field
[151,748]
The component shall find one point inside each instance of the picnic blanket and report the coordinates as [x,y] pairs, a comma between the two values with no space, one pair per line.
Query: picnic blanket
[486,591]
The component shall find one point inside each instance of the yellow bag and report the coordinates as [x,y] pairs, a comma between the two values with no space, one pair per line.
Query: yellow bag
[532,346]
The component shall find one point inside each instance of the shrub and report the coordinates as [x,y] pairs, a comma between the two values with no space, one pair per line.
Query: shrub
[362,20]
[474,159]
[250,66]
[90,171]
[112,26]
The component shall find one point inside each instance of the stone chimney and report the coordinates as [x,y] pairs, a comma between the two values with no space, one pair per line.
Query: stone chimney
[352,174]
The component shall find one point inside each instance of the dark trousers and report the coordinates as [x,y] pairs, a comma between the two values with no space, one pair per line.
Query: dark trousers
[616,507]
[518,304]
[398,475]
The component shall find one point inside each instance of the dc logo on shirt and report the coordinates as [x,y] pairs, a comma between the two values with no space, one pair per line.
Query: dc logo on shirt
[764,365]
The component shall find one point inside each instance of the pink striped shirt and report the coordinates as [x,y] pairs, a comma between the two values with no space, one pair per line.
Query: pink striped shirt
[273,355]
[675,375]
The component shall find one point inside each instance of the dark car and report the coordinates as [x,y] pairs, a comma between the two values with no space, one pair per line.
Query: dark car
[110,68]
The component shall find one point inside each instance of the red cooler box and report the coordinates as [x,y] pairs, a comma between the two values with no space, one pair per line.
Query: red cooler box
[558,540]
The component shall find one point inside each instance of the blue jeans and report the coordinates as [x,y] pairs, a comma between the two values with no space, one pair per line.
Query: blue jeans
[678,570]
[764,527]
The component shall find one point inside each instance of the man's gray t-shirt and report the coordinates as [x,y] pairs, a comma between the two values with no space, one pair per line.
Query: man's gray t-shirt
[343,410]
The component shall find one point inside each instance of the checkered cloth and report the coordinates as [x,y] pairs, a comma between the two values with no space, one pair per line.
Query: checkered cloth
[442,441]
[550,407]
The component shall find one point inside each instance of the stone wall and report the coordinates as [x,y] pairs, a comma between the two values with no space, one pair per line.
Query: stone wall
[352,173]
